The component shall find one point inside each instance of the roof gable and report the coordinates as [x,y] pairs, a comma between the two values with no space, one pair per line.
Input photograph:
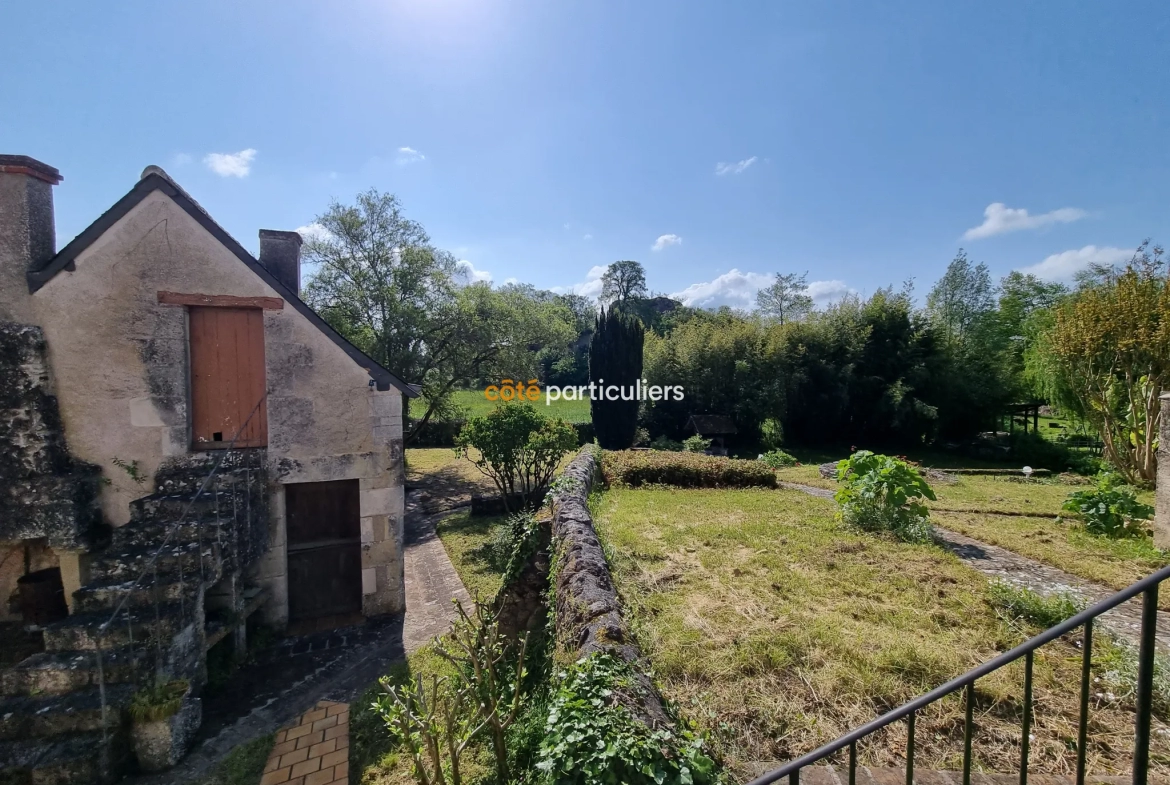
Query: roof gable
[155,180]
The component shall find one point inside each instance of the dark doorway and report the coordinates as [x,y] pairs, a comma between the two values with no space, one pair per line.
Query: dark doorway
[324,549]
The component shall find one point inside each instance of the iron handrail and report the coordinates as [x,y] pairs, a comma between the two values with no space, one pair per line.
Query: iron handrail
[1147,586]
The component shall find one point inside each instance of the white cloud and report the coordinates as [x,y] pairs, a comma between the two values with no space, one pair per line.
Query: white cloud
[738,290]
[1063,266]
[735,168]
[665,241]
[408,155]
[181,159]
[590,287]
[313,231]
[231,164]
[998,218]
[466,274]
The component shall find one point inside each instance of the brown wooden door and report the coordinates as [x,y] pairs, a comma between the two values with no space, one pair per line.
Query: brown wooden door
[324,548]
[227,378]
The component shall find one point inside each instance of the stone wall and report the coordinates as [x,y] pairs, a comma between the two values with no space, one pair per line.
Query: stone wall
[589,613]
[1162,516]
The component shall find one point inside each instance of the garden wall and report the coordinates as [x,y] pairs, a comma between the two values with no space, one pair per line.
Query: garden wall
[588,611]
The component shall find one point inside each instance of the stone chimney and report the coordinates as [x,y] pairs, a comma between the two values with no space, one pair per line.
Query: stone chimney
[280,253]
[28,236]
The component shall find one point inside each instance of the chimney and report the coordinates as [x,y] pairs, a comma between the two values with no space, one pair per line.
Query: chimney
[28,236]
[280,253]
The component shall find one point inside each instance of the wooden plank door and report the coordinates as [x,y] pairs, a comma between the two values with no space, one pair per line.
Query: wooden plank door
[323,524]
[227,378]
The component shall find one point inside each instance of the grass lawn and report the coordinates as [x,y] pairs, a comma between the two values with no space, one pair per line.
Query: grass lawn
[777,630]
[570,411]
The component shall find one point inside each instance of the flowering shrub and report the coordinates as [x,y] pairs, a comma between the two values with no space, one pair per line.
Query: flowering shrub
[880,493]
[1111,508]
[777,459]
[683,469]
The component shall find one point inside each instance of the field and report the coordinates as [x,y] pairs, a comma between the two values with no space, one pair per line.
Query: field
[474,402]
[777,630]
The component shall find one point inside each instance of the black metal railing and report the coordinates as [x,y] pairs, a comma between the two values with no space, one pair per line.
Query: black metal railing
[1147,587]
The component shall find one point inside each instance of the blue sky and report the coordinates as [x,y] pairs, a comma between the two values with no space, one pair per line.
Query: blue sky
[861,142]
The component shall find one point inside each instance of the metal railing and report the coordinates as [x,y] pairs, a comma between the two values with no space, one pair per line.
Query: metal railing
[1147,587]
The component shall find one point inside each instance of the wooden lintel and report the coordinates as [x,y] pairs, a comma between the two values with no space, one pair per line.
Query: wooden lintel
[221,301]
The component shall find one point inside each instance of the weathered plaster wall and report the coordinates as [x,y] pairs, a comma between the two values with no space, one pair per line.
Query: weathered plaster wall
[26,204]
[120,362]
[1162,514]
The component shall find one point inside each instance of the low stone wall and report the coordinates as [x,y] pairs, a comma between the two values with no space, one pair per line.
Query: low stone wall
[589,613]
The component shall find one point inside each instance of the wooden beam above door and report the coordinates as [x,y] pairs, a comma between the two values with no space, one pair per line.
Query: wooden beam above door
[220,301]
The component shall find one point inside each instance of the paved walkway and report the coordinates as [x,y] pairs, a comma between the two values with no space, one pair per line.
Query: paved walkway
[311,750]
[1124,621]
[431,580]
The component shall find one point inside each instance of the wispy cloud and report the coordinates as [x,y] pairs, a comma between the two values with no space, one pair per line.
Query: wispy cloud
[231,164]
[466,274]
[738,290]
[1064,266]
[408,155]
[998,218]
[735,168]
[313,231]
[590,287]
[665,241]
[181,159]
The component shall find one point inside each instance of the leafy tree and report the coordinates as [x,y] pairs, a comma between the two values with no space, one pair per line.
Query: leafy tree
[963,299]
[615,359]
[518,448]
[623,281]
[381,283]
[1110,343]
[786,299]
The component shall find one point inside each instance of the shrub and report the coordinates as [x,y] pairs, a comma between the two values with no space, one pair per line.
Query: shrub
[519,449]
[666,445]
[696,443]
[771,434]
[777,459]
[1111,508]
[158,701]
[1020,602]
[683,469]
[881,493]
[591,738]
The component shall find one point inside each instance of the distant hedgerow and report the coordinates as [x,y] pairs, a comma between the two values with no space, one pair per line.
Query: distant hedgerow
[683,469]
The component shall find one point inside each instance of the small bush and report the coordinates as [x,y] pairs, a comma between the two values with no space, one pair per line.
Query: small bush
[881,493]
[696,443]
[777,459]
[591,738]
[685,470]
[158,701]
[1020,602]
[666,445]
[1111,508]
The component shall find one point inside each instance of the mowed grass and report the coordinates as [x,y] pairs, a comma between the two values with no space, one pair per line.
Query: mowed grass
[571,411]
[1034,525]
[777,630]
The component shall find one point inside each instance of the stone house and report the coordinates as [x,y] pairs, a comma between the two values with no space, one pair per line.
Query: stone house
[151,353]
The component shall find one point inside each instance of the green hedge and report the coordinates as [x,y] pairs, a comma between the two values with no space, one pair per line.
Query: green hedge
[683,469]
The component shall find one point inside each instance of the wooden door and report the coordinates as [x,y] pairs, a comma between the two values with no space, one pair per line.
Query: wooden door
[324,548]
[227,378]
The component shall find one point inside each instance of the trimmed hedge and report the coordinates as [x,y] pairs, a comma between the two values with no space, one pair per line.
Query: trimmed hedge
[683,469]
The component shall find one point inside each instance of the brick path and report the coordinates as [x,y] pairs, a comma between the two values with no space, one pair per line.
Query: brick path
[313,750]
[1123,621]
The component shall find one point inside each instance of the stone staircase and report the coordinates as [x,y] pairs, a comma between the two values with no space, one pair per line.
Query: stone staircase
[153,574]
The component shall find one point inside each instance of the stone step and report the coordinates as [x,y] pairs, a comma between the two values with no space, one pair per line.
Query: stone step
[174,507]
[25,716]
[58,672]
[147,532]
[135,626]
[79,759]
[108,594]
[127,564]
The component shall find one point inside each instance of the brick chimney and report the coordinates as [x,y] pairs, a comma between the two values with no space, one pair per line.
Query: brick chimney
[28,235]
[280,253]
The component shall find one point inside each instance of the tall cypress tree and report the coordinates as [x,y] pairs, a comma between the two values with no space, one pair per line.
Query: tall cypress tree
[615,358]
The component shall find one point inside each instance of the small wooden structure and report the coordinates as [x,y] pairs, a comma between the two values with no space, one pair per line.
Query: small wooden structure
[714,427]
[1024,411]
